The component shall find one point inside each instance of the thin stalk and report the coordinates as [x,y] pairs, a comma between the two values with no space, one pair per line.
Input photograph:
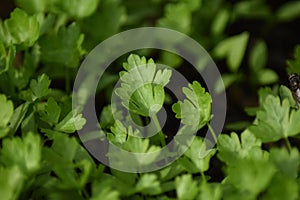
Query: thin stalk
[203,176]
[212,133]
[157,125]
[288,144]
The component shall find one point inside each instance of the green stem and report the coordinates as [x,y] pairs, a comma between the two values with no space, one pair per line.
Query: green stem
[212,133]
[203,176]
[157,125]
[288,144]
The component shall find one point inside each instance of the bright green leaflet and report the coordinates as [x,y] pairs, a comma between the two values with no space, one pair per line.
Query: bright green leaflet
[148,184]
[275,121]
[231,148]
[197,157]
[142,85]
[71,123]
[20,29]
[196,109]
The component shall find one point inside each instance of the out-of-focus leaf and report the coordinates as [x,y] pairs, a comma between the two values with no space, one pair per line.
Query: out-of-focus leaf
[11,182]
[288,11]
[25,152]
[32,6]
[220,22]
[233,49]
[258,56]
[186,187]
[70,39]
[20,29]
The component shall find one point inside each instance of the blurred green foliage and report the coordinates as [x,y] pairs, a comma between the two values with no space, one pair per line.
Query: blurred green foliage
[42,43]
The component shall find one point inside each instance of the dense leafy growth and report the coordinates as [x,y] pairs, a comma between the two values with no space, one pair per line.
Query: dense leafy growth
[42,44]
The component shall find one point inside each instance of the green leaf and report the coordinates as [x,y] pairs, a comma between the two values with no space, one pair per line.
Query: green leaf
[108,116]
[40,87]
[170,59]
[22,75]
[101,189]
[63,48]
[196,109]
[286,162]
[199,155]
[18,116]
[6,113]
[267,76]
[148,184]
[6,57]
[66,157]
[192,5]
[288,11]
[29,124]
[32,6]
[282,187]
[62,194]
[147,100]
[65,150]
[177,17]
[285,93]
[20,29]
[111,17]
[11,182]
[119,131]
[225,81]
[293,65]
[76,8]
[127,178]
[139,145]
[170,171]
[250,175]
[142,85]
[263,93]
[71,123]
[275,120]
[210,191]
[252,9]
[4,132]
[51,113]
[231,148]
[220,22]
[233,49]
[186,187]
[25,152]
[258,56]
[130,140]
